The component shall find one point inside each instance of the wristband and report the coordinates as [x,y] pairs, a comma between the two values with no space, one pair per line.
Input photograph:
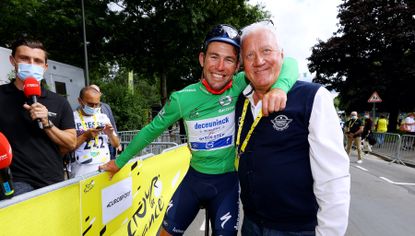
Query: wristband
[50,125]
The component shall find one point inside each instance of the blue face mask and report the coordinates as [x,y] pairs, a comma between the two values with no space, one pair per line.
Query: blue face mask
[25,71]
[90,110]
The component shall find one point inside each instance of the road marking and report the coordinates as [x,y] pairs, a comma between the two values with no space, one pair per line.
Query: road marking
[361,168]
[397,183]
[202,227]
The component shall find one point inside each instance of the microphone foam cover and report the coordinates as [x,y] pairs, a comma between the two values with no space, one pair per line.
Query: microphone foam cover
[5,152]
[31,87]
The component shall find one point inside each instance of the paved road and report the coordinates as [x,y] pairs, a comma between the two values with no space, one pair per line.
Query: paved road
[383,200]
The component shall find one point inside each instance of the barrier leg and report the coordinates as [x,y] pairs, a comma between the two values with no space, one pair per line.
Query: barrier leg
[397,161]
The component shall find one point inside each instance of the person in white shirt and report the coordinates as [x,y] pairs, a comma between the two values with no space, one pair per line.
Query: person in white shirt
[293,169]
[409,129]
[94,131]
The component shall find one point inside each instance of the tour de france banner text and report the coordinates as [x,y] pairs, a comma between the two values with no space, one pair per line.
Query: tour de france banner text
[132,203]
[135,200]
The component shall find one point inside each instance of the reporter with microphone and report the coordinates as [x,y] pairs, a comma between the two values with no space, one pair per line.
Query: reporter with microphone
[38,123]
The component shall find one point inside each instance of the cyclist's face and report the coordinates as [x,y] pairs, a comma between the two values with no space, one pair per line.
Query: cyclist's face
[219,63]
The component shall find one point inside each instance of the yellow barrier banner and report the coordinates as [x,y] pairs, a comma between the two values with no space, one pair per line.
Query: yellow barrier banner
[132,203]
[135,200]
[54,213]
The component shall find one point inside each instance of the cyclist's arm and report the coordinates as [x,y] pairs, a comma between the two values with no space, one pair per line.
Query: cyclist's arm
[169,114]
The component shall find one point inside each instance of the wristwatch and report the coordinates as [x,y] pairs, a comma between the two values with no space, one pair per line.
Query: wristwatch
[50,125]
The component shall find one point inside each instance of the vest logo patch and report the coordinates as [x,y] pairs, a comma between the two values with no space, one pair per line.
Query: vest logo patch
[281,122]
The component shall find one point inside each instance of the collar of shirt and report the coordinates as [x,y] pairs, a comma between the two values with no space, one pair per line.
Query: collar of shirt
[11,88]
[249,93]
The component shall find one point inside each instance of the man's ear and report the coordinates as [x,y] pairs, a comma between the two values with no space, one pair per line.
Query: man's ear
[12,61]
[202,59]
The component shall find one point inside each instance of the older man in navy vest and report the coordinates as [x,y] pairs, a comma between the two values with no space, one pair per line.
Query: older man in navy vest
[293,169]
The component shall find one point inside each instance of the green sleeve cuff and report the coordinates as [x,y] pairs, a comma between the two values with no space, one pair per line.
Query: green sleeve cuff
[288,75]
[120,161]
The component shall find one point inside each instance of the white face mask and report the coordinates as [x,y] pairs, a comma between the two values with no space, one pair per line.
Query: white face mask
[25,71]
[90,110]
[354,117]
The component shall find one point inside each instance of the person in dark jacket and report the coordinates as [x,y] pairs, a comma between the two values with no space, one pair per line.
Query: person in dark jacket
[367,130]
[293,169]
[40,132]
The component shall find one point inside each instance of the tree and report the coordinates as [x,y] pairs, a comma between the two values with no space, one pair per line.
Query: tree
[158,40]
[58,24]
[130,109]
[373,50]
[163,38]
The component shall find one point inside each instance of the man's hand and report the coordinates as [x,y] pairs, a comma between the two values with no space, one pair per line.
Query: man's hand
[38,111]
[92,133]
[111,167]
[273,101]
[108,129]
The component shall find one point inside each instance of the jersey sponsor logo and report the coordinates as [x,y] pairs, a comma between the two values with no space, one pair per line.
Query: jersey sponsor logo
[223,142]
[224,101]
[281,122]
[225,219]
[226,109]
[212,133]
[169,206]
[186,91]
[161,113]
[180,231]
[211,124]
[194,114]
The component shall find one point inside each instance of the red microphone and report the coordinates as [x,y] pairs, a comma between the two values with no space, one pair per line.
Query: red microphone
[6,183]
[31,89]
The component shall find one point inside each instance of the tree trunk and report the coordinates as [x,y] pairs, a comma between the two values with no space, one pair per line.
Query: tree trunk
[163,88]
[393,120]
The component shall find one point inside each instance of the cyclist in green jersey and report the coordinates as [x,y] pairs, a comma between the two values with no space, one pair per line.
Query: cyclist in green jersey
[207,108]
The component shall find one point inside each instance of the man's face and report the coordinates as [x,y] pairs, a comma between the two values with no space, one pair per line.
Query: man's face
[27,55]
[91,98]
[262,59]
[219,64]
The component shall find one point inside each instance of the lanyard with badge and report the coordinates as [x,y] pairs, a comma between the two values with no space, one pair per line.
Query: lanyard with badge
[248,136]
[83,123]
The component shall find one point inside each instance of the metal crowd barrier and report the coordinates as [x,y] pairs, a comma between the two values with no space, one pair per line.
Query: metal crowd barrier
[398,148]
[164,141]
[407,150]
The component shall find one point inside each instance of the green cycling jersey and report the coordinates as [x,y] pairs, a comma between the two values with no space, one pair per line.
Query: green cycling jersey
[209,121]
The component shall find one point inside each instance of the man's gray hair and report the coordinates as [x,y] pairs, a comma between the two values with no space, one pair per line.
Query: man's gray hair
[262,25]
[259,26]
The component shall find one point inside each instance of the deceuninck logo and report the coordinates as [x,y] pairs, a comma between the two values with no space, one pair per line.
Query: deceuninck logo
[281,122]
